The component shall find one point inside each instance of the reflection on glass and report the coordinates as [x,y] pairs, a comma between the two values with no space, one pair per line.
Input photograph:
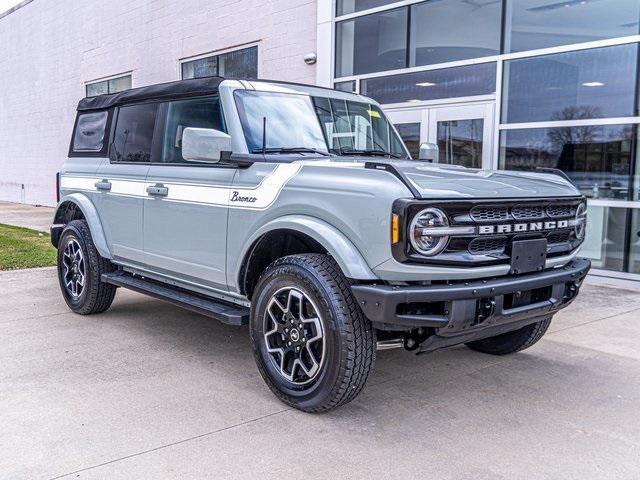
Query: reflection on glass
[460,142]
[438,35]
[606,236]
[372,43]
[344,7]
[596,83]
[348,86]
[236,64]
[452,82]
[634,242]
[112,85]
[410,134]
[598,159]
[532,24]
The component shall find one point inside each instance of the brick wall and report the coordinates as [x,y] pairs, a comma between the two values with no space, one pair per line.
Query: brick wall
[48,49]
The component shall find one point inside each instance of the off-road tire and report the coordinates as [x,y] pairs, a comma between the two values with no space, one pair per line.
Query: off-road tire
[350,337]
[512,342]
[96,296]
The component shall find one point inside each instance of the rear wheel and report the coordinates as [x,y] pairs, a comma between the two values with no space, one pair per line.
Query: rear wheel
[312,345]
[512,342]
[80,267]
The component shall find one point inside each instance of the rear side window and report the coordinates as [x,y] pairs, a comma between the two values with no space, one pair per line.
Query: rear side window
[90,132]
[133,136]
[203,112]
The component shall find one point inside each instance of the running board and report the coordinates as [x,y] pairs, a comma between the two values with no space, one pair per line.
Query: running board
[225,312]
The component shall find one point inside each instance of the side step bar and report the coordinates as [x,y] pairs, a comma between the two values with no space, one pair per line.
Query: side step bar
[225,312]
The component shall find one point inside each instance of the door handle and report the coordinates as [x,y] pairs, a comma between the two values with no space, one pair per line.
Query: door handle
[103,185]
[158,190]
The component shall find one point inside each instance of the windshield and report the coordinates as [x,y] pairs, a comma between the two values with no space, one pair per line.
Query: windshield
[285,121]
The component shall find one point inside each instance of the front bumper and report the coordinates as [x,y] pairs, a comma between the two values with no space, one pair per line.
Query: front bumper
[500,304]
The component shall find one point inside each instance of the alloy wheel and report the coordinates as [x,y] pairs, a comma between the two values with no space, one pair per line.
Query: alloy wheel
[74,271]
[294,335]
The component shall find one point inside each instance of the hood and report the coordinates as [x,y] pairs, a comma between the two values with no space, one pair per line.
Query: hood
[451,181]
[448,181]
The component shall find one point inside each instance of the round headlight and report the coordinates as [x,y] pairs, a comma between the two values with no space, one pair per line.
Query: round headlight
[423,231]
[581,220]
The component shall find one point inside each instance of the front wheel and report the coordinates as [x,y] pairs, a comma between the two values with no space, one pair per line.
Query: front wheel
[312,344]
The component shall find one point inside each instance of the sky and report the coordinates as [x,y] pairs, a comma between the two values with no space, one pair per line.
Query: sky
[7,4]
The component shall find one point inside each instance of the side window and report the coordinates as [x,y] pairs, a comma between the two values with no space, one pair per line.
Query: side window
[203,112]
[90,132]
[134,133]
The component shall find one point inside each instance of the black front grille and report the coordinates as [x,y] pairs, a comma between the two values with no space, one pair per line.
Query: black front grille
[486,246]
[527,212]
[487,213]
[559,211]
[496,225]
[559,237]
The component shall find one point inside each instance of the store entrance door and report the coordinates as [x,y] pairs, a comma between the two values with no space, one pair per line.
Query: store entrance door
[463,133]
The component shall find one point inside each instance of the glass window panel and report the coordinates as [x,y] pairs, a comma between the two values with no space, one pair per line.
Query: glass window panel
[97,88]
[410,134]
[349,86]
[532,24]
[452,82]
[634,242]
[280,111]
[438,35]
[134,133]
[119,84]
[90,130]
[203,67]
[345,7]
[596,158]
[460,142]
[596,83]
[606,237]
[197,112]
[372,43]
[239,63]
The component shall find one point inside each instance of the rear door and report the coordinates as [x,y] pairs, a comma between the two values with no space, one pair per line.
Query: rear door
[185,213]
[121,180]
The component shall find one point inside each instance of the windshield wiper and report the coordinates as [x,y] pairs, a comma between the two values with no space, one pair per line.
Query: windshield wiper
[374,152]
[291,150]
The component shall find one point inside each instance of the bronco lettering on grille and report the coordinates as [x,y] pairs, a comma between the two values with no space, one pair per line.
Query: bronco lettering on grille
[522,227]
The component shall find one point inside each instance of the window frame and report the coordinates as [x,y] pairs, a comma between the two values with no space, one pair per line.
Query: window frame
[218,53]
[107,80]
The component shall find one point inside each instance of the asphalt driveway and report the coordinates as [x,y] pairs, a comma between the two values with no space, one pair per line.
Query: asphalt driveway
[148,390]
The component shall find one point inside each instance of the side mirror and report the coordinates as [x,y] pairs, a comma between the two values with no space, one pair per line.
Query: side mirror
[429,152]
[204,144]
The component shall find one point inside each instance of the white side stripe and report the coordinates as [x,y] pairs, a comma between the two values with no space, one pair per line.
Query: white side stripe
[258,197]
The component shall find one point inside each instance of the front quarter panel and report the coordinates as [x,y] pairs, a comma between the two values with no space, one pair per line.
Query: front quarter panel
[342,205]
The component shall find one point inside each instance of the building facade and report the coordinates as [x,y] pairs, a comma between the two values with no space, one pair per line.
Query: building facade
[499,84]
[508,84]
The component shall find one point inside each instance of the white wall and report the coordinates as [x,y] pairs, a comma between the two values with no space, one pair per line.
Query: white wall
[48,49]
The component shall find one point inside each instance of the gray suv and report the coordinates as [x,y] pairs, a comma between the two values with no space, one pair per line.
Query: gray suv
[298,210]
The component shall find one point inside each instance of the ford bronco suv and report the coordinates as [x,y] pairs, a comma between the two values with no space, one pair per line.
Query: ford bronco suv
[298,210]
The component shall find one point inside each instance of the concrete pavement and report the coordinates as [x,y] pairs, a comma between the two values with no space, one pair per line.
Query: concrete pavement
[147,390]
[28,216]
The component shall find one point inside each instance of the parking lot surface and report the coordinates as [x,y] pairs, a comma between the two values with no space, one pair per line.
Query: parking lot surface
[147,390]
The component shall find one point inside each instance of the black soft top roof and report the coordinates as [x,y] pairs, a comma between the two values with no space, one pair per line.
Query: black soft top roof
[161,91]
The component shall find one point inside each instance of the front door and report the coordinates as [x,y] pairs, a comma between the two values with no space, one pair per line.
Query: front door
[463,133]
[186,204]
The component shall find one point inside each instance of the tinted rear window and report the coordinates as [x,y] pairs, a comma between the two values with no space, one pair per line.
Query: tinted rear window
[90,132]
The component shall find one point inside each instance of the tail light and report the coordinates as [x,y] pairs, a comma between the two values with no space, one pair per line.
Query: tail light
[57,187]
